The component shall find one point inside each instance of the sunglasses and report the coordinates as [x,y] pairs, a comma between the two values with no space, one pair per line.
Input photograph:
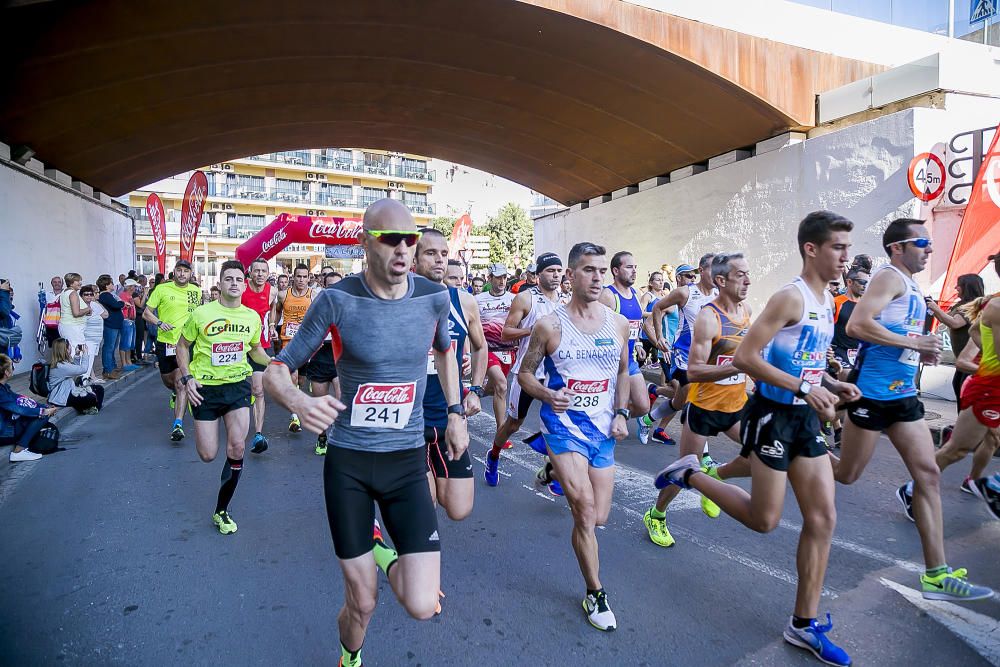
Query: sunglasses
[917,242]
[689,276]
[858,281]
[393,238]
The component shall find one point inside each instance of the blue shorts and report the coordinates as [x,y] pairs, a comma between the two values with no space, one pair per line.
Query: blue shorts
[633,367]
[599,454]
[127,341]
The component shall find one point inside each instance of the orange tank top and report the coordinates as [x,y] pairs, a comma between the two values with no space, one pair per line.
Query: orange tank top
[728,394]
[293,311]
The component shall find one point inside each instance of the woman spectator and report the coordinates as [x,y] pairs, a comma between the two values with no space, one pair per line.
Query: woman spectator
[112,326]
[127,341]
[94,331]
[21,417]
[970,287]
[66,366]
[73,311]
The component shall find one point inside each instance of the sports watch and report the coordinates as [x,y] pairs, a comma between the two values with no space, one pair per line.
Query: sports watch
[477,390]
[804,390]
[456,409]
[185,379]
[623,412]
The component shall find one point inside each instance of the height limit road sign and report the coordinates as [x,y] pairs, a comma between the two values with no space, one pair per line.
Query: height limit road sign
[926,176]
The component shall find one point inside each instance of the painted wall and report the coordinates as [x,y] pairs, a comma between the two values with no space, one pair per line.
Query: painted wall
[47,230]
[754,205]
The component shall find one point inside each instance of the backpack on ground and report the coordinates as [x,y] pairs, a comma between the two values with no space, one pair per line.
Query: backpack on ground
[47,440]
[38,382]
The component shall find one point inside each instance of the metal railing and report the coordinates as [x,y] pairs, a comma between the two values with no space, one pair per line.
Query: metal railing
[304,159]
[280,196]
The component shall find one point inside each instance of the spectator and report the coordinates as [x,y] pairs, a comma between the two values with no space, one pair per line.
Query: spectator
[127,341]
[52,307]
[21,417]
[139,297]
[10,332]
[57,289]
[112,326]
[94,331]
[565,288]
[121,283]
[213,294]
[73,312]
[970,287]
[65,369]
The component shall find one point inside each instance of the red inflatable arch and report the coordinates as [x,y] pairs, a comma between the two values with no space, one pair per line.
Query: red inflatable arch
[288,228]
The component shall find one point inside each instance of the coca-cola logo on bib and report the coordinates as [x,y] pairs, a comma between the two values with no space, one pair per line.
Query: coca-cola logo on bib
[588,386]
[387,394]
[221,348]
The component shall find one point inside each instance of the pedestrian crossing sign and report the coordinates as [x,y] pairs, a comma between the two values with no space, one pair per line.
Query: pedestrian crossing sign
[980,10]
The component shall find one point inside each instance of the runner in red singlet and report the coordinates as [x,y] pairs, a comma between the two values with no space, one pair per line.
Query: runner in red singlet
[260,298]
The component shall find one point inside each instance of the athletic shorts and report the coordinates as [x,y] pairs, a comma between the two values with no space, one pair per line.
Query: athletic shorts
[679,374]
[598,454]
[778,432]
[167,364]
[437,456]
[873,415]
[321,368]
[518,400]
[494,360]
[354,480]
[982,394]
[257,368]
[844,356]
[710,423]
[633,367]
[218,399]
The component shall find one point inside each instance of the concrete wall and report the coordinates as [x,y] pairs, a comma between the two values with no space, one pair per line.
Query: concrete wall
[47,230]
[754,205]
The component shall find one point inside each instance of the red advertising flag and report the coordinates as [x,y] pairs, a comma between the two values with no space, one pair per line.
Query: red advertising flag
[192,208]
[158,221]
[979,233]
[288,228]
[460,235]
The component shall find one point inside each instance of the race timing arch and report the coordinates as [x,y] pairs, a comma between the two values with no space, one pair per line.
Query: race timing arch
[288,228]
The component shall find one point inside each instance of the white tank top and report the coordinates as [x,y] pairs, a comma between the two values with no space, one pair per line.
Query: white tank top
[586,365]
[540,307]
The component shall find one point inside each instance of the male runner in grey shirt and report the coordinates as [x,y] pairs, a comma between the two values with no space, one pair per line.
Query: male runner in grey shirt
[382,322]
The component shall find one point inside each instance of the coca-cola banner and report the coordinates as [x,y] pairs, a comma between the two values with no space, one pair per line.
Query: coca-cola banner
[192,208]
[288,228]
[158,221]
[459,236]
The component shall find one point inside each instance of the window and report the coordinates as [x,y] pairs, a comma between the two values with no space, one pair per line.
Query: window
[335,194]
[415,198]
[371,195]
[246,226]
[241,185]
[146,264]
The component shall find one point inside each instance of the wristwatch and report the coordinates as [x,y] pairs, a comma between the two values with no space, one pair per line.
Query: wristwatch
[184,380]
[477,390]
[456,409]
[804,390]
[623,412]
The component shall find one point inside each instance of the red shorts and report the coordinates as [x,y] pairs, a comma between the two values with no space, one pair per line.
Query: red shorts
[502,358]
[982,394]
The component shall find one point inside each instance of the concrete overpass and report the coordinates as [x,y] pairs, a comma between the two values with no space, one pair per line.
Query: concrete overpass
[573,98]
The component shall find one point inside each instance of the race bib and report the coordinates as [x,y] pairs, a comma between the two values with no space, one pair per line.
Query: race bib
[634,327]
[506,357]
[227,354]
[431,368]
[171,350]
[291,328]
[910,357]
[589,395]
[383,405]
[738,378]
[813,376]
[852,356]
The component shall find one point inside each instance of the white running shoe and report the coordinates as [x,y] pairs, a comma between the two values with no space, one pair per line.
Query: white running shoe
[598,612]
[24,455]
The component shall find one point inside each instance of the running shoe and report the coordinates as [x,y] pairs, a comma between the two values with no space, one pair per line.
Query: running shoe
[643,432]
[906,500]
[377,532]
[507,445]
[321,445]
[651,390]
[674,473]
[542,476]
[259,443]
[173,401]
[24,455]
[710,509]
[712,471]
[657,528]
[966,486]
[988,488]
[660,436]
[708,462]
[295,425]
[598,612]
[953,585]
[813,638]
[491,471]
[177,434]
[224,522]
[555,488]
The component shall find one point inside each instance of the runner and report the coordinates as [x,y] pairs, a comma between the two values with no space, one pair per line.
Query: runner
[260,298]
[785,350]
[321,369]
[718,394]
[168,309]
[621,297]
[531,304]
[689,298]
[212,353]
[377,452]
[582,346]
[451,480]
[494,304]
[290,308]
[653,293]
[845,348]
[889,320]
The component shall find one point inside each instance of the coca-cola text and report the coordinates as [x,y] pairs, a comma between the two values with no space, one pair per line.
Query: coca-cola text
[386,394]
[588,386]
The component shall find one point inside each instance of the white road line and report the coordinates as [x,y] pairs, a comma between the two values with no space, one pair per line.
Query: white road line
[979,631]
[862,550]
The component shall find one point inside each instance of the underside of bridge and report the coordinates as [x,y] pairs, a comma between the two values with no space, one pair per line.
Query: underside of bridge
[573,98]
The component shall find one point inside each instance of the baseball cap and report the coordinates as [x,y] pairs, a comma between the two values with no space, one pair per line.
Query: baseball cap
[685,268]
[183,262]
[131,283]
[532,268]
[498,269]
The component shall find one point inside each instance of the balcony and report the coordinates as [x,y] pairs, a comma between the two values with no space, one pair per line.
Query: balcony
[381,169]
[303,199]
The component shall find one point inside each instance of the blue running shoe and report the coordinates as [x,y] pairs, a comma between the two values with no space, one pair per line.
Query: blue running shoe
[660,436]
[537,443]
[259,443]
[674,473]
[814,639]
[555,488]
[491,473]
[651,391]
[643,431]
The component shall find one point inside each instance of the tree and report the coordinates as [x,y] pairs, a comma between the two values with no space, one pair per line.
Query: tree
[512,236]
[444,224]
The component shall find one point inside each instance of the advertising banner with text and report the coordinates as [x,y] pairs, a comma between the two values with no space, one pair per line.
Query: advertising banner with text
[158,221]
[288,228]
[191,210]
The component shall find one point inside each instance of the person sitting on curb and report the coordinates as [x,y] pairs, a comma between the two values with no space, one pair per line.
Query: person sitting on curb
[21,417]
[64,371]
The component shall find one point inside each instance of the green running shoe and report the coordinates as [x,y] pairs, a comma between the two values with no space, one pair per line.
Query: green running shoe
[710,509]
[224,522]
[173,401]
[321,445]
[712,471]
[658,533]
[953,585]
[710,466]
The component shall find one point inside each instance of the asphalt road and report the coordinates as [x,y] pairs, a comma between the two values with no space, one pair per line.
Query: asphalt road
[110,557]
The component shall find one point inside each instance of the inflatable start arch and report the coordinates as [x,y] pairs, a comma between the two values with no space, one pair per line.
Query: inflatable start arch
[288,228]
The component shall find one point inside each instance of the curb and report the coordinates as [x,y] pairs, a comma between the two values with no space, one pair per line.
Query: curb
[111,387]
